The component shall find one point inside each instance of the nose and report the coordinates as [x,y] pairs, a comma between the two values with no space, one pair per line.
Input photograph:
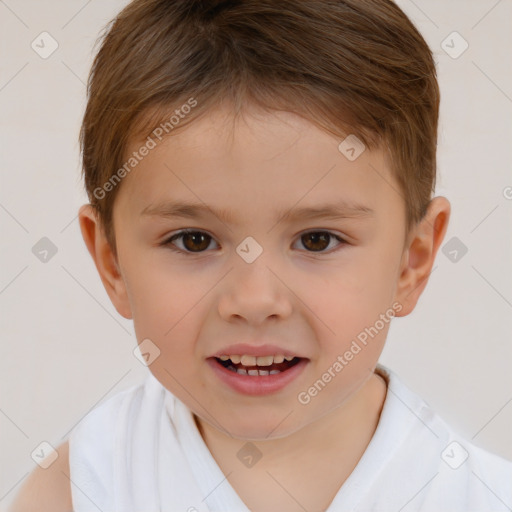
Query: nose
[253,293]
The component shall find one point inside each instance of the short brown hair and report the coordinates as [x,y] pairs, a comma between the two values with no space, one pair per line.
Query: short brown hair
[349,66]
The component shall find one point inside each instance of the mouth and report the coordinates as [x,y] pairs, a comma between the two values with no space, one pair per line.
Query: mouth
[257,375]
[257,366]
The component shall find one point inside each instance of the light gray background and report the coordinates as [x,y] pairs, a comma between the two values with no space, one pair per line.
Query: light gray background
[64,348]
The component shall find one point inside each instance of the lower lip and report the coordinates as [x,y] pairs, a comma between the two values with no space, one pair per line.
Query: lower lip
[257,385]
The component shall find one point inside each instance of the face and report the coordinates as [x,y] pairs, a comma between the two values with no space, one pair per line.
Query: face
[292,250]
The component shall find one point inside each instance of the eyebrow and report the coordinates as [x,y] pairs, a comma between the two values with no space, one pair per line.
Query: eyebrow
[190,210]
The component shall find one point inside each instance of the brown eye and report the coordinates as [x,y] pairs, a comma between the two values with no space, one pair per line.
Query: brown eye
[191,241]
[196,241]
[318,241]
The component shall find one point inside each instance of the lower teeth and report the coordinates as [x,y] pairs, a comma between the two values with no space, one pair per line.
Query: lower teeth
[254,373]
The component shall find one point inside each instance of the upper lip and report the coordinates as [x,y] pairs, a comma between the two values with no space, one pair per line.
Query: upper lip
[254,350]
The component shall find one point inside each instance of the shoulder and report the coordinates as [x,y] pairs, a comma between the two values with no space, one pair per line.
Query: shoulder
[467,477]
[47,490]
[83,457]
[486,468]
[426,453]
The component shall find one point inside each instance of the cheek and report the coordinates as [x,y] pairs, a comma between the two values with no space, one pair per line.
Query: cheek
[354,311]
[161,301]
[352,297]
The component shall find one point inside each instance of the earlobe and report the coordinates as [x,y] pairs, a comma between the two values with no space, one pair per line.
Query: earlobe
[419,255]
[104,259]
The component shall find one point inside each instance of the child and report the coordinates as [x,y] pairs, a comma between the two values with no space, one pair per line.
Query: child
[260,176]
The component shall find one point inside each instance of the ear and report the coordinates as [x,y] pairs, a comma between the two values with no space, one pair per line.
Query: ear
[104,259]
[420,252]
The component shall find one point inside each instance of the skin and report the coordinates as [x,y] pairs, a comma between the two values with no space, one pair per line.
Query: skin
[313,302]
[47,490]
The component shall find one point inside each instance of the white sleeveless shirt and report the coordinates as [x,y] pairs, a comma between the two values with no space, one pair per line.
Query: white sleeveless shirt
[141,451]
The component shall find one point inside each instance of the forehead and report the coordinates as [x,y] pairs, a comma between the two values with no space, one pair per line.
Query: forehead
[276,159]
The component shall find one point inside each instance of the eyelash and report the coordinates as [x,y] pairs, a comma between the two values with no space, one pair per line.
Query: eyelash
[179,235]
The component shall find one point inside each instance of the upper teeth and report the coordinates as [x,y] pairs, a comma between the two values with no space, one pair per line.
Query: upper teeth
[256,361]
